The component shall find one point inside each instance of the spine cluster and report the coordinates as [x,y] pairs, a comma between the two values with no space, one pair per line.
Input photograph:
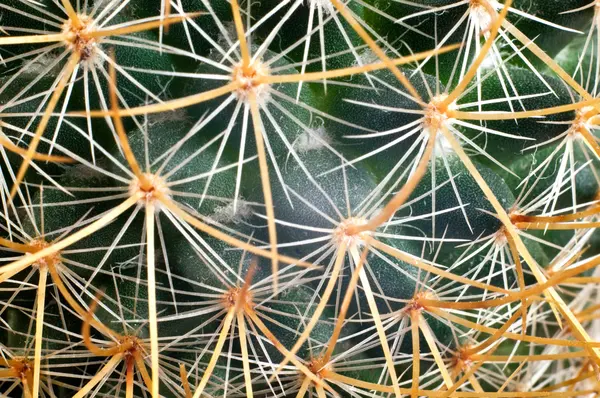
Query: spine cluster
[299,198]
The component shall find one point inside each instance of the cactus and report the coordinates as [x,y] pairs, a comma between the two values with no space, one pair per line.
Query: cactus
[360,198]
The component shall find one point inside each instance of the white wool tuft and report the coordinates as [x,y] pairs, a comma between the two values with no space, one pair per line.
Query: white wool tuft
[313,140]
[226,214]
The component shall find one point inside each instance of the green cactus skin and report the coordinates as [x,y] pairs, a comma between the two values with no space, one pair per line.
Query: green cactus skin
[444,264]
